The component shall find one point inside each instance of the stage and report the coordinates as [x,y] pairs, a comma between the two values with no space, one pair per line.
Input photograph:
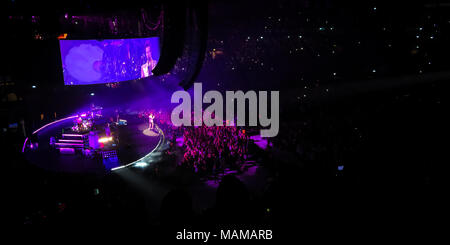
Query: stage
[133,145]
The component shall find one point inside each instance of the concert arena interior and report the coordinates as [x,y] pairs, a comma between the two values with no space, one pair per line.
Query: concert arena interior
[87,106]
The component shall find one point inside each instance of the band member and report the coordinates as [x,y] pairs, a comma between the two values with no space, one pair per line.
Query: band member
[147,67]
[107,130]
[117,115]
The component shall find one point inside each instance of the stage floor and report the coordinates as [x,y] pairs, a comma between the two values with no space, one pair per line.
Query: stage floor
[133,145]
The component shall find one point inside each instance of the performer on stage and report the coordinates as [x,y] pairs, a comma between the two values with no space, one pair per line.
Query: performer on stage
[147,67]
[150,121]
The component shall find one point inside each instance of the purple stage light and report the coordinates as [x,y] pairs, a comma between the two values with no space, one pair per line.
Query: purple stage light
[73,144]
[70,151]
[74,141]
[24,145]
[72,135]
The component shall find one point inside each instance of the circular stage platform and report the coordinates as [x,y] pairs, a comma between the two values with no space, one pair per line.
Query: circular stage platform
[55,148]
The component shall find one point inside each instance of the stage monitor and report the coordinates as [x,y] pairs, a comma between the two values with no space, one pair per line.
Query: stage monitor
[87,62]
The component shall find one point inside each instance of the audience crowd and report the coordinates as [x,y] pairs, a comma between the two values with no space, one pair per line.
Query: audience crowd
[207,149]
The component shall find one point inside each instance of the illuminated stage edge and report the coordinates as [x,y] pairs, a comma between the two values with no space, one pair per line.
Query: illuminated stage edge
[147,159]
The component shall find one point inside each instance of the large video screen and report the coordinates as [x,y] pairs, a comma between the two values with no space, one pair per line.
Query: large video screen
[107,61]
